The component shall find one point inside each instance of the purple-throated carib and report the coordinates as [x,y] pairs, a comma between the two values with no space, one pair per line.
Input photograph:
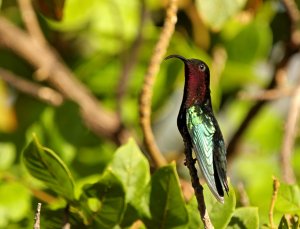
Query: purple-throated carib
[199,127]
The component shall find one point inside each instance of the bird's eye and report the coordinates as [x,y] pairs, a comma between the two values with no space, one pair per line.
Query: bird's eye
[202,67]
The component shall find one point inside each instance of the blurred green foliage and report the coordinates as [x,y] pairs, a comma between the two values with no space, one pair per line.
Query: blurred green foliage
[107,186]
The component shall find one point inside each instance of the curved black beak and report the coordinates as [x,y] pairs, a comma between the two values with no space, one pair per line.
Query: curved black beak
[178,57]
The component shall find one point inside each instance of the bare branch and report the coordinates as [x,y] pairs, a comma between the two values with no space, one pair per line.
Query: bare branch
[131,59]
[292,10]
[244,199]
[276,185]
[40,92]
[271,94]
[37,217]
[31,21]
[294,15]
[45,59]
[289,138]
[147,90]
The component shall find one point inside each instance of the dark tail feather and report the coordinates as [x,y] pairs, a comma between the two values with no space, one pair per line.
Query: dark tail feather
[220,180]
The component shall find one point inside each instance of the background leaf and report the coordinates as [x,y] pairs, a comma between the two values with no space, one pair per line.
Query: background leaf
[45,165]
[220,214]
[110,193]
[166,201]
[194,216]
[288,199]
[132,168]
[217,12]
[245,217]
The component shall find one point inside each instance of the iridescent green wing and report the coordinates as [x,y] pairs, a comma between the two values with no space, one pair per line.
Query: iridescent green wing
[201,129]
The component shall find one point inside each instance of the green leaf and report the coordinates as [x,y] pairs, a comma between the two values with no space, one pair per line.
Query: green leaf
[51,8]
[288,199]
[251,43]
[14,203]
[246,217]
[107,198]
[194,215]
[166,200]
[43,164]
[132,168]
[216,12]
[7,155]
[220,214]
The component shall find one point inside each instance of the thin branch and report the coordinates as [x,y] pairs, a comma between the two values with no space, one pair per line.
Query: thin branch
[190,163]
[131,58]
[232,148]
[271,94]
[294,15]
[149,79]
[291,47]
[243,196]
[40,92]
[276,185]
[31,21]
[46,60]
[293,114]
[292,10]
[37,217]
[289,138]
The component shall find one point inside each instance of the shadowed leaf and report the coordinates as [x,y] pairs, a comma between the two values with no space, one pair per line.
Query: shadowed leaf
[43,164]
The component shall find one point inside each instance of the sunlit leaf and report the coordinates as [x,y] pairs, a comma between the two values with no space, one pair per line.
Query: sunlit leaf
[132,168]
[14,202]
[7,155]
[166,200]
[216,12]
[43,164]
[245,217]
[110,195]
[194,215]
[52,9]
[288,199]
[220,214]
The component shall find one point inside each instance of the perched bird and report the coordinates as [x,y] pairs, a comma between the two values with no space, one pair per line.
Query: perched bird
[198,126]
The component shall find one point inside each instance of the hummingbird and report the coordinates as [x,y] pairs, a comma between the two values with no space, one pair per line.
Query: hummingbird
[198,126]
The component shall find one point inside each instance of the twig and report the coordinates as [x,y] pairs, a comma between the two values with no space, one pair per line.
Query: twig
[146,94]
[292,9]
[276,185]
[43,93]
[131,59]
[31,21]
[244,199]
[37,217]
[294,15]
[293,114]
[271,94]
[232,148]
[45,59]
[190,163]
[291,47]
[289,138]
